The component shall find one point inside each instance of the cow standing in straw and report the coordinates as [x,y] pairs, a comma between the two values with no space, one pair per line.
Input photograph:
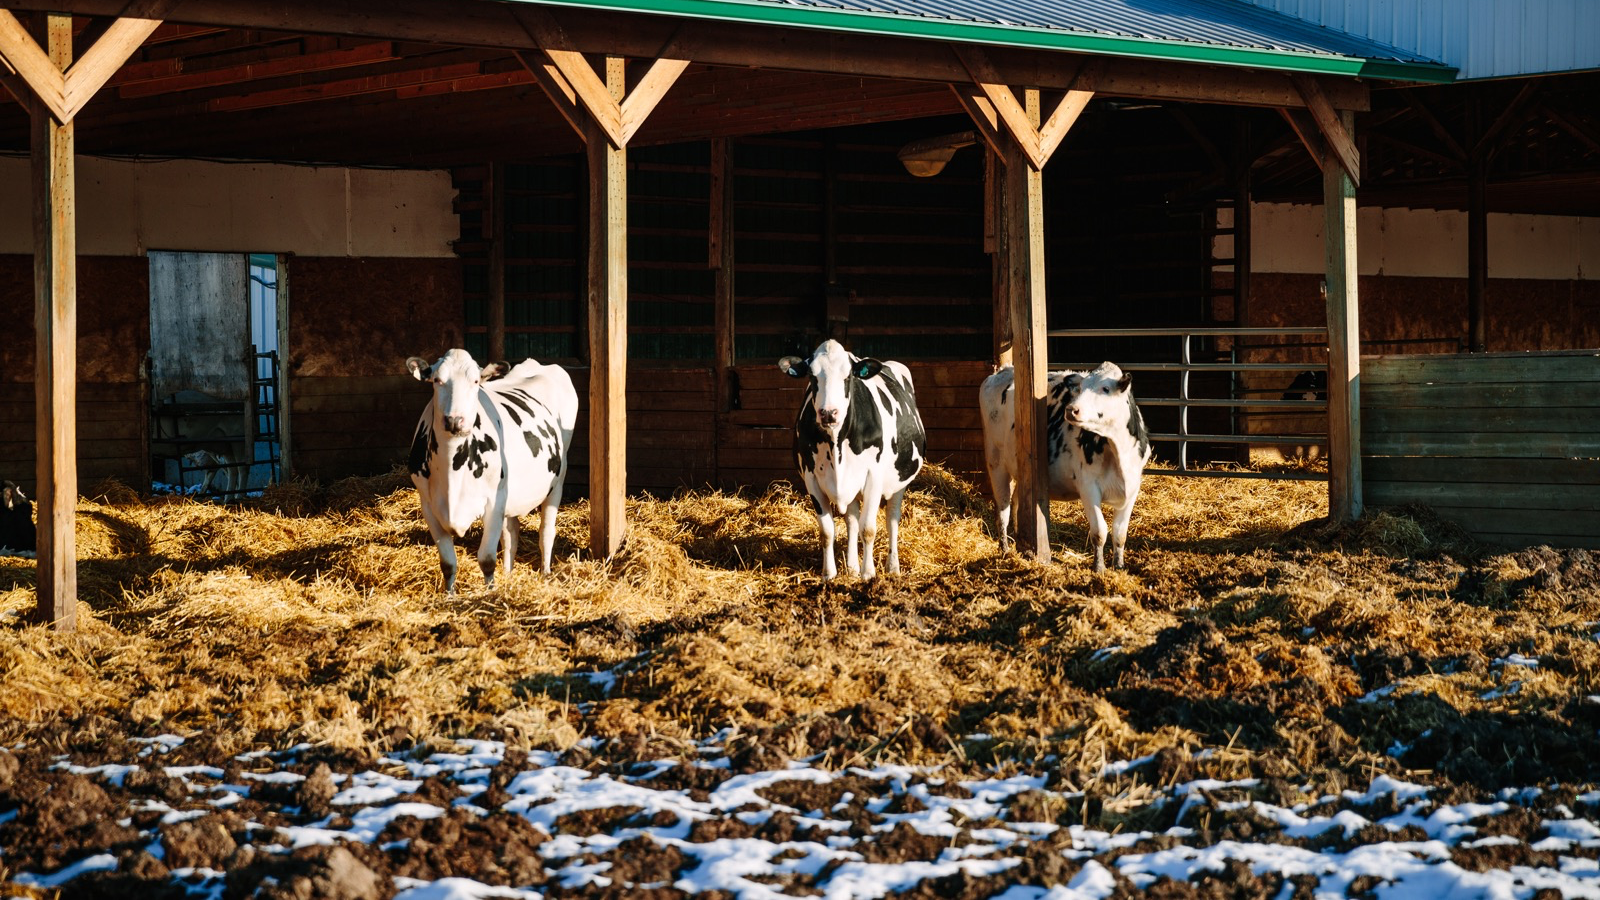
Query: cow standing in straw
[491,448]
[858,441]
[1097,441]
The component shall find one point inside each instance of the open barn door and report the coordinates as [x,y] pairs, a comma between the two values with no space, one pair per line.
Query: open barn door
[213,387]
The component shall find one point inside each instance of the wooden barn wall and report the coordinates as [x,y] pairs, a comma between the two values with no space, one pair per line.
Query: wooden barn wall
[1505,444]
[113,337]
[832,236]
[352,324]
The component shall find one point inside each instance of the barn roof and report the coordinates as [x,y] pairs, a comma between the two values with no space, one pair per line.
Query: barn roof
[1219,32]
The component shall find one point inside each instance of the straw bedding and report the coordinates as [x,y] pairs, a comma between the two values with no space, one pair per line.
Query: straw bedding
[1244,623]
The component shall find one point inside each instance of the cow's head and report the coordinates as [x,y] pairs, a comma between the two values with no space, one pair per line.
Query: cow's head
[455,378]
[1101,400]
[830,369]
[13,498]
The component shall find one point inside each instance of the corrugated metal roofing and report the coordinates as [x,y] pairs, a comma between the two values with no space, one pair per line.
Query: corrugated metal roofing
[1223,32]
[1483,38]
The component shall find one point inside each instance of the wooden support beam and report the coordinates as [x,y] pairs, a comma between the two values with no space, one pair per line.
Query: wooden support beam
[608,328]
[137,81]
[1025,282]
[1306,131]
[1514,113]
[642,100]
[56,348]
[557,89]
[1337,139]
[994,216]
[720,238]
[1344,341]
[65,91]
[1425,115]
[495,231]
[1037,142]
[983,116]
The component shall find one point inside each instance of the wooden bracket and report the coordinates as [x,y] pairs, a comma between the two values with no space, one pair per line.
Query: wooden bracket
[573,84]
[1448,140]
[65,94]
[1306,131]
[998,104]
[1337,141]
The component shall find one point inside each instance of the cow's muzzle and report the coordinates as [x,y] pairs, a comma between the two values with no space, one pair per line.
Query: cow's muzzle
[456,425]
[827,418]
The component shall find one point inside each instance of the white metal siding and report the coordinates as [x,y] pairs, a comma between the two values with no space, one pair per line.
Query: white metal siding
[1483,38]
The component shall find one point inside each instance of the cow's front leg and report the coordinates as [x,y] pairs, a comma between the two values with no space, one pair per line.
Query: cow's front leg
[830,567]
[1097,527]
[509,540]
[852,533]
[447,549]
[893,529]
[1119,525]
[493,528]
[869,531]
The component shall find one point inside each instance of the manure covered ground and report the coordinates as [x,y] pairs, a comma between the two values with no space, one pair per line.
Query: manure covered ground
[274,700]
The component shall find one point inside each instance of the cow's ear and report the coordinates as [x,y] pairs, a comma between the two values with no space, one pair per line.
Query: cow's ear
[1125,382]
[794,367]
[866,368]
[419,368]
[494,370]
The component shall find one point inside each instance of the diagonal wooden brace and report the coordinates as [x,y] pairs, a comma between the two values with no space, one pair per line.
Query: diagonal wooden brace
[65,94]
[1337,140]
[997,104]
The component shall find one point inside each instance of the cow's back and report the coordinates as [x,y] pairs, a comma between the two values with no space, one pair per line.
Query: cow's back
[536,408]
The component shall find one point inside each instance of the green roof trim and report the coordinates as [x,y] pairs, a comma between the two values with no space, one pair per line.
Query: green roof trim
[1025,37]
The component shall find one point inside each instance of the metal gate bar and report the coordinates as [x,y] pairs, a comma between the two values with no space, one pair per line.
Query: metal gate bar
[1186,365]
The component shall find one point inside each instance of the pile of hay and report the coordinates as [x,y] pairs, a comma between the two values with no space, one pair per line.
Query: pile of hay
[1242,624]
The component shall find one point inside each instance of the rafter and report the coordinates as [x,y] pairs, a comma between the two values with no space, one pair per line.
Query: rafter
[1514,113]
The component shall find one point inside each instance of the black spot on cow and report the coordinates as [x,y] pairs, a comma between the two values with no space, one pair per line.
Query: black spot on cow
[472,452]
[1141,437]
[1091,444]
[512,412]
[535,446]
[1309,385]
[910,440]
[422,448]
[863,422]
[520,399]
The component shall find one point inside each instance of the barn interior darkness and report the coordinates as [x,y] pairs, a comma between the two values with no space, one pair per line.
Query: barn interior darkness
[832,235]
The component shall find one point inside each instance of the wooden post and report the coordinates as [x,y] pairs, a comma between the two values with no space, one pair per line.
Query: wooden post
[608,328]
[1477,226]
[994,194]
[719,234]
[1344,341]
[495,226]
[55,278]
[1024,243]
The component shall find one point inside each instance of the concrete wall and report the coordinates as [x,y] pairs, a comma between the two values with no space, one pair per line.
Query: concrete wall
[126,208]
[1287,238]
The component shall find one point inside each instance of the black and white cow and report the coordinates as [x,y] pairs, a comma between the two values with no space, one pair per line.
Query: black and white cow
[491,448]
[1097,442]
[17,533]
[858,441]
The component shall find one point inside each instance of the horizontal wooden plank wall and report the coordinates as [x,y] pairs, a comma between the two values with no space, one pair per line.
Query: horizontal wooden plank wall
[352,425]
[1506,444]
[755,441]
[111,437]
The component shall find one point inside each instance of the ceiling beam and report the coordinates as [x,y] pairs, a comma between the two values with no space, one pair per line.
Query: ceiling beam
[482,24]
